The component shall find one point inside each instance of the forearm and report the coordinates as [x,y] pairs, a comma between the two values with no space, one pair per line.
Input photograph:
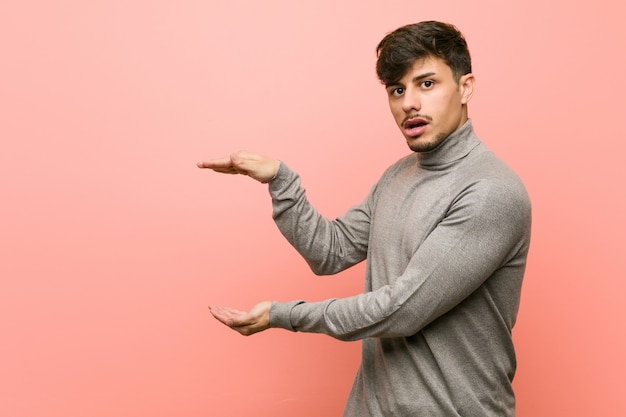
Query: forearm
[329,246]
[345,319]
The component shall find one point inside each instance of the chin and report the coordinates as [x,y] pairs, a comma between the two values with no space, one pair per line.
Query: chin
[425,144]
[422,146]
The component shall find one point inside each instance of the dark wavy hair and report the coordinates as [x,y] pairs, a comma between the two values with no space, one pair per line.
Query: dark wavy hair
[400,48]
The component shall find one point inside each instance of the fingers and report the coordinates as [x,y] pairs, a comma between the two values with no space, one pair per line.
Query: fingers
[231,317]
[228,316]
[259,167]
[237,160]
[223,165]
[215,163]
[232,164]
[246,323]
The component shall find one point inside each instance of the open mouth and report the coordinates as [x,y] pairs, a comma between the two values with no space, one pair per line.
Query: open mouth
[415,126]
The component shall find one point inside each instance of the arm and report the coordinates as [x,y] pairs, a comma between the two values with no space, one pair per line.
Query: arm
[328,246]
[484,234]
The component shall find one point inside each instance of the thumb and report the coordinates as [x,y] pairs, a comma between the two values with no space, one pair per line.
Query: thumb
[235,158]
[259,167]
[244,162]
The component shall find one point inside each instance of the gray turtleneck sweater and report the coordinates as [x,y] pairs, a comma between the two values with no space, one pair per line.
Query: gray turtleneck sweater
[446,235]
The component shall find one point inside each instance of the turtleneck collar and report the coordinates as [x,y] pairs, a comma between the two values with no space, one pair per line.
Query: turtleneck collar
[454,147]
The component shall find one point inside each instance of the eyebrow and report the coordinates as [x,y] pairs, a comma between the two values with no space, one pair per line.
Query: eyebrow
[422,76]
[415,79]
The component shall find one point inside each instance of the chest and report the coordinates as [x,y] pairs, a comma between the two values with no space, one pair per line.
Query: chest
[406,211]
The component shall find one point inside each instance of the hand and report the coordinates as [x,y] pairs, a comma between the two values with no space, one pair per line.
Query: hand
[254,321]
[261,168]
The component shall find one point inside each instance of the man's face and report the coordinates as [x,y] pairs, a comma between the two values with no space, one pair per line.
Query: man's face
[428,104]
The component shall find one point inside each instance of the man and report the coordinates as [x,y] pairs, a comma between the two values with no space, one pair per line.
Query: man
[445,232]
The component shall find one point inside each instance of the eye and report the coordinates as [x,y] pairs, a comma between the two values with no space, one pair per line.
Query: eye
[427,84]
[397,91]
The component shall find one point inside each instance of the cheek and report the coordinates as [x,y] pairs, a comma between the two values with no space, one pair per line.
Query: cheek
[397,113]
[446,107]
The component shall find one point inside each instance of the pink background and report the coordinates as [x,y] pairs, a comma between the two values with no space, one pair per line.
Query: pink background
[112,242]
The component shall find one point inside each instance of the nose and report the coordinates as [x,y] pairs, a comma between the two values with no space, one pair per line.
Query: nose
[411,102]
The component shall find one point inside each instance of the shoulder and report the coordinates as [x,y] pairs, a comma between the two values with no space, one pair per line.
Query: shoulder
[495,172]
[494,186]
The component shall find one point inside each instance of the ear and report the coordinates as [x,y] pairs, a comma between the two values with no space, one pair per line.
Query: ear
[466,86]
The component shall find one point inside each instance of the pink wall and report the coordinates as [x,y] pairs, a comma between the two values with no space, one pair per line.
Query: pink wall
[112,242]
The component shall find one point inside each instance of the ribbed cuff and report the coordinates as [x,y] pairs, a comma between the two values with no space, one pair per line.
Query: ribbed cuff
[284,176]
[280,315]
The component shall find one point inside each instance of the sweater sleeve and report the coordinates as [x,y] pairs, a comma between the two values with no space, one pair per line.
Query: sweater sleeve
[485,233]
[328,246]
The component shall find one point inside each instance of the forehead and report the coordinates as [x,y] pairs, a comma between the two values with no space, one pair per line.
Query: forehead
[427,65]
